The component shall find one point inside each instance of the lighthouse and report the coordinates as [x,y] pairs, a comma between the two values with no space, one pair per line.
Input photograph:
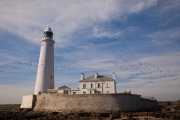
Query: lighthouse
[45,72]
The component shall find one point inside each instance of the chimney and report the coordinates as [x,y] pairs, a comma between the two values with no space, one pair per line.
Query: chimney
[113,75]
[96,75]
[82,76]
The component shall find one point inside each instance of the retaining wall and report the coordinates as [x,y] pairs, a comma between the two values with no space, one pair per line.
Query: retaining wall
[28,101]
[93,102]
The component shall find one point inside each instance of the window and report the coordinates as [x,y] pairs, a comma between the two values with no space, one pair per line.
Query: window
[74,92]
[51,76]
[90,92]
[65,92]
[107,91]
[99,85]
[50,44]
[84,92]
[48,35]
[91,85]
[84,85]
[107,85]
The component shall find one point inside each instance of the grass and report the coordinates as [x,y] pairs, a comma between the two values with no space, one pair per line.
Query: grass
[9,106]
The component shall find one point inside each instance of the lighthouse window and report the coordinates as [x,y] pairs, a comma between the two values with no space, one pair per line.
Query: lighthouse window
[51,76]
[50,44]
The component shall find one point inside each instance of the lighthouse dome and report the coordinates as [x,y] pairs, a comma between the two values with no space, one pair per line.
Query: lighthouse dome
[48,29]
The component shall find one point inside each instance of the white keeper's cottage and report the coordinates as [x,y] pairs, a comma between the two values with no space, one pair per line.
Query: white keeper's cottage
[95,84]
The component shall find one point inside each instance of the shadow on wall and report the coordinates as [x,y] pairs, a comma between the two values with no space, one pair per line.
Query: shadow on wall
[34,101]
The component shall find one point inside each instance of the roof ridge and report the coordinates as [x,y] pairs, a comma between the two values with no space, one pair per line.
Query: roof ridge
[86,78]
[64,86]
[100,78]
[108,77]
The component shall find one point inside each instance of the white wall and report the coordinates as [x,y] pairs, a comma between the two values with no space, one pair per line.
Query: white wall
[27,101]
[44,80]
[106,89]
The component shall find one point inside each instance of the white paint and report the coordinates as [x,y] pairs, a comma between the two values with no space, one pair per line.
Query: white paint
[82,76]
[45,73]
[96,75]
[113,75]
[105,87]
[114,82]
[27,101]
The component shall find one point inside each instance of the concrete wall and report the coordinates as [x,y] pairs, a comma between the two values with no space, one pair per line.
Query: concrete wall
[93,102]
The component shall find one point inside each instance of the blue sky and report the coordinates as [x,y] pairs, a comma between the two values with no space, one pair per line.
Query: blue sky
[138,40]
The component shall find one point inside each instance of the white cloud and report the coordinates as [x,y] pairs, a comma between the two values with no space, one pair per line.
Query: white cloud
[8,57]
[133,29]
[29,18]
[169,6]
[167,13]
[165,36]
[101,33]
[163,88]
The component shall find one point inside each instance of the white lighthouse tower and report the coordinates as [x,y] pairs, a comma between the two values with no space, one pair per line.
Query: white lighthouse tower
[45,72]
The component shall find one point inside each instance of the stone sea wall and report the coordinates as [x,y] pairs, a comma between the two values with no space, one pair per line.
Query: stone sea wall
[92,102]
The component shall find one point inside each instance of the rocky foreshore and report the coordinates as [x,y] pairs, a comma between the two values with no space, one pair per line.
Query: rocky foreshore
[29,114]
[167,111]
